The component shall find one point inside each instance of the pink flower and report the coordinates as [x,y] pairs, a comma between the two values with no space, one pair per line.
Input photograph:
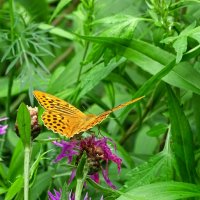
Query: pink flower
[71,196]
[98,153]
[57,195]
[3,128]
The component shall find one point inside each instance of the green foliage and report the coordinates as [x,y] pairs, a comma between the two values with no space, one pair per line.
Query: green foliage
[183,146]
[97,54]
[24,124]
[162,190]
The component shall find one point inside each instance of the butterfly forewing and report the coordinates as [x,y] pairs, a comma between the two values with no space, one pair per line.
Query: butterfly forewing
[50,102]
[98,119]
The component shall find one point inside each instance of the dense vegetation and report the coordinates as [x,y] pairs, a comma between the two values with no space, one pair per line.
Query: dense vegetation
[97,54]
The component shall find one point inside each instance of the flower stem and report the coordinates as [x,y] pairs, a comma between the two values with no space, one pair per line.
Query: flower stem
[26,172]
[79,188]
[89,8]
[11,75]
[10,82]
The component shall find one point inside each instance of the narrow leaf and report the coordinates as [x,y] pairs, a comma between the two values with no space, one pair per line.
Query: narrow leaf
[162,190]
[59,7]
[82,168]
[152,59]
[157,130]
[182,138]
[24,124]
[15,188]
[180,46]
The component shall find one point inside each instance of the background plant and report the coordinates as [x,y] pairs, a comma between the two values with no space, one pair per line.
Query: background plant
[97,54]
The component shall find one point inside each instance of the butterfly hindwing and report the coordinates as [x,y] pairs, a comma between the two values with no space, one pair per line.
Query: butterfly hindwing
[62,124]
[94,121]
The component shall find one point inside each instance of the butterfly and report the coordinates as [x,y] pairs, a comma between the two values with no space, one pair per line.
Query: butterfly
[65,119]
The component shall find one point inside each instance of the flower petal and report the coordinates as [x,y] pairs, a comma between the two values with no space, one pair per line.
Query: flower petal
[73,174]
[105,176]
[69,149]
[95,177]
[3,129]
[57,195]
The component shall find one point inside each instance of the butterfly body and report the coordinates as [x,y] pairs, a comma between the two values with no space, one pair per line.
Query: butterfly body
[62,117]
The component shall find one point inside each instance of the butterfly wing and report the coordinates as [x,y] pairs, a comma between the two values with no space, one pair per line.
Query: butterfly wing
[98,119]
[94,121]
[50,102]
[63,118]
[62,124]
[60,116]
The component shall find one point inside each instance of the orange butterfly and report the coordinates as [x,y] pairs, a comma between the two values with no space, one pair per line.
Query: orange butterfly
[61,117]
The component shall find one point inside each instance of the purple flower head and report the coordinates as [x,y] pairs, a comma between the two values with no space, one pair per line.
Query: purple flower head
[98,153]
[71,195]
[3,127]
[57,195]
[69,149]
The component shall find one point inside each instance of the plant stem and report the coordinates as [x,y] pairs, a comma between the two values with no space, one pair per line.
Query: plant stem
[84,57]
[87,30]
[11,19]
[79,188]
[10,82]
[26,172]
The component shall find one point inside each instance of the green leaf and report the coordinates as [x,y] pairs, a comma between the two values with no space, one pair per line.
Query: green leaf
[37,8]
[102,189]
[35,166]
[152,59]
[3,190]
[122,153]
[162,190]
[16,164]
[24,124]
[159,168]
[15,188]
[60,6]
[182,138]
[147,87]
[57,31]
[157,130]
[82,168]
[90,79]
[40,185]
[64,192]
[196,111]
[180,46]
[119,25]
[180,4]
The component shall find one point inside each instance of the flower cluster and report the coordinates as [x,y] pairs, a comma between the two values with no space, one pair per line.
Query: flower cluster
[35,127]
[98,155]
